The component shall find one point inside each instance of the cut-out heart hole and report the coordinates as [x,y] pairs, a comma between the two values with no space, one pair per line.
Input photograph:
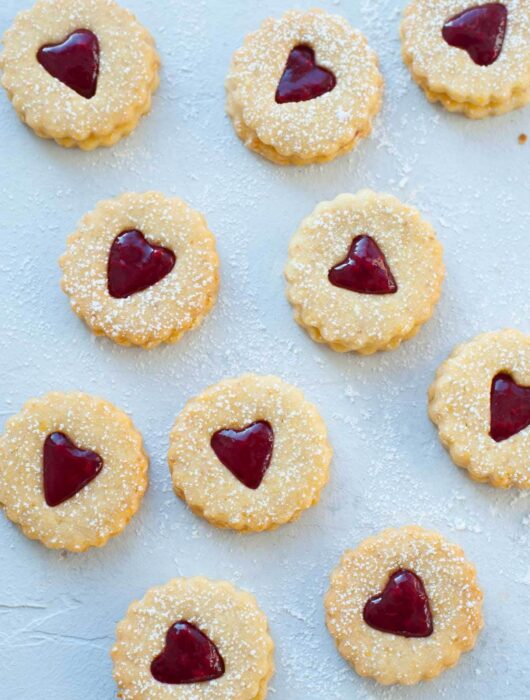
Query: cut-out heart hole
[402,608]
[364,269]
[74,61]
[509,407]
[135,264]
[479,30]
[189,656]
[247,453]
[302,78]
[66,468]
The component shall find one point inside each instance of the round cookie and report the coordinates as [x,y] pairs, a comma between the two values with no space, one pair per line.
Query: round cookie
[73,470]
[249,453]
[480,402]
[364,272]
[473,58]
[193,639]
[403,606]
[304,88]
[81,72]
[141,269]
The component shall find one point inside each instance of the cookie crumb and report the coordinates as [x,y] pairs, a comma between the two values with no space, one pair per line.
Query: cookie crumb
[523,138]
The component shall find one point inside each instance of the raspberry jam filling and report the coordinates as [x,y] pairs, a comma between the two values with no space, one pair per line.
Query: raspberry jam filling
[480,31]
[364,270]
[509,407]
[74,61]
[135,264]
[302,78]
[66,468]
[247,453]
[402,608]
[189,656]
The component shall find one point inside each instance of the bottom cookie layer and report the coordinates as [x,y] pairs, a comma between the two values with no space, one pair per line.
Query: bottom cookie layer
[365,349]
[519,98]
[96,140]
[252,141]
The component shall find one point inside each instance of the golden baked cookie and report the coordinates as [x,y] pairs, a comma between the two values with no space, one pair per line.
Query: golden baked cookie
[81,72]
[472,57]
[73,470]
[249,453]
[304,88]
[193,639]
[141,269]
[364,272]
[403,606]
[480,402]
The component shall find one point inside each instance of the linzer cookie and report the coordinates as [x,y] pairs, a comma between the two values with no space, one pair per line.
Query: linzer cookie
[193,639]
[81,72]
[249,453]
[480,402]
[141,269]
[72,470]
[304,88]
[364,272]
[474,58]
[403,606]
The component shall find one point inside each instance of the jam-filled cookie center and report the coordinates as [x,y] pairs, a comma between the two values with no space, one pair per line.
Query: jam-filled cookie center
[402,608]
[136,264]
[74,61]
[247,452]
[67,469]
[303,79]
[479,30]
[364,269]
[189,656]
[509,407]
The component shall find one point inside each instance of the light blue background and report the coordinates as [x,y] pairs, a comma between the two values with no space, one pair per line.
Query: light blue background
[58,611]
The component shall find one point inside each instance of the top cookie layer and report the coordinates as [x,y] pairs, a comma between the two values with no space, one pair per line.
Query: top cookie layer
[165,310]
[347,320]
[295,475]
[128,71]
[449,581]
[460,405]
[312,130]
[449,71]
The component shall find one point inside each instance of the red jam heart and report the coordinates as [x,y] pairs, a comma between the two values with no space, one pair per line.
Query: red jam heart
[364,270]
[247,453]
[302,79]
[479,30]
[402,608]
[135,264]
[188,657]
[509,407]
[75,61]
[66,468]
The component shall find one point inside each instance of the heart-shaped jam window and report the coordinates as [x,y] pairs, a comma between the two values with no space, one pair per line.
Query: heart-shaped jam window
[66,468]
[189,656]
[509,407]
[247,453]
[364,269]
[135,264]
[479,30]
[302,78]
[402,608]
[74,61]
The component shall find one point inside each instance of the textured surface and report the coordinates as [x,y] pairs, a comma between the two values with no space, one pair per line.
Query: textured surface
[468,179]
